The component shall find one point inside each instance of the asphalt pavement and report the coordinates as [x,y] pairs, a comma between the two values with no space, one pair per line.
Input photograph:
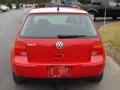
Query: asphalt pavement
[9,23]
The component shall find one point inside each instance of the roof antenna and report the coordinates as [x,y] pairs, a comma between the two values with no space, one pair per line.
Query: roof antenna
[58,8]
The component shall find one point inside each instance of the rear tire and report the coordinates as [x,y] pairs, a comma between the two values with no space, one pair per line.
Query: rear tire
[17,79]
[97,79]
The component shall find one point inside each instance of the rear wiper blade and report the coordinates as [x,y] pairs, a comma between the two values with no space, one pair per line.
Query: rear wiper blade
[71,36]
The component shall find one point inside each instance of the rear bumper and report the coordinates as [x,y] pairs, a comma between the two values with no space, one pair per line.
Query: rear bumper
[23,68]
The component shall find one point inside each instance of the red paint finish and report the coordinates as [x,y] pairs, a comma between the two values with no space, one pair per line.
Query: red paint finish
[76,54]
[80,57]
[23,67]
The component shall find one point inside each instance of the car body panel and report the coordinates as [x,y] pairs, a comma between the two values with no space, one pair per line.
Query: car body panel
[79,70]
[44,50]
[55,10]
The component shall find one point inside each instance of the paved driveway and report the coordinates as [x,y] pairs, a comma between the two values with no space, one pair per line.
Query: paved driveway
[9,23]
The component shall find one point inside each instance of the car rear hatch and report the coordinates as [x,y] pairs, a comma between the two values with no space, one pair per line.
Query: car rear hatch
[45,50]
[68,39]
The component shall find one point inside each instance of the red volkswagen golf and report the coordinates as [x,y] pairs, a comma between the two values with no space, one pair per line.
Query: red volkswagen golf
[57,43]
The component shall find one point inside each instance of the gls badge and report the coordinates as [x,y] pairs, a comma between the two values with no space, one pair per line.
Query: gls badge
[59,45]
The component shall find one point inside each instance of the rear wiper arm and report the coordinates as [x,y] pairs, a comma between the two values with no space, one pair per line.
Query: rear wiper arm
[71,36]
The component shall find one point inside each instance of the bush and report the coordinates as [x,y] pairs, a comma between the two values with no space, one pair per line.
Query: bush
[9,4]
[85,1]
[39,1]
[17,4]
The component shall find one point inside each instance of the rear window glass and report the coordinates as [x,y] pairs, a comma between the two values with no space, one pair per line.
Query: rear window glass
[52,25]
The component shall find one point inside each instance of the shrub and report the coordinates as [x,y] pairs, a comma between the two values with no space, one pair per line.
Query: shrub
[17,4]
[9,4]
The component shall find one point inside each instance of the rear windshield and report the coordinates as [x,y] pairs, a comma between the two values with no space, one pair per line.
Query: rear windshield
[52,25]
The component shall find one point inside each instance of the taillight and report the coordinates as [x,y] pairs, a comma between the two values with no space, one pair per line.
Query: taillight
[20,49]
[97,49]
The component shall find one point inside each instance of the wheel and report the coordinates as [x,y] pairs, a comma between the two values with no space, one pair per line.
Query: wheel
[17,79]
[93,15]
[97,79]
[114,18]
[1,11]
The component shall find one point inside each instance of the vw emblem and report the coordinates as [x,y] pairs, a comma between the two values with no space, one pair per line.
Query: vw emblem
[59,45]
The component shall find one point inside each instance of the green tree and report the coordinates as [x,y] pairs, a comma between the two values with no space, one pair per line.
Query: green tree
[13,1]
[85,1]
[9,4]
[39,1]
[17,2]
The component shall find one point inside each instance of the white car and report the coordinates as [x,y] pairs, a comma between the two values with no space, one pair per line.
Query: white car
[28,5]
[3,8]
[13,6]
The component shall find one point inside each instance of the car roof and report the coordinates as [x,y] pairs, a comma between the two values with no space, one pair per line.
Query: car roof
[55,10]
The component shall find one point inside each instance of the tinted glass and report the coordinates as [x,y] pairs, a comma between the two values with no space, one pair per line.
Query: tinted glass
[52,25]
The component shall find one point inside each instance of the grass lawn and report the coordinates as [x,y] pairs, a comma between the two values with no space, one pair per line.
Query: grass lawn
[110,34]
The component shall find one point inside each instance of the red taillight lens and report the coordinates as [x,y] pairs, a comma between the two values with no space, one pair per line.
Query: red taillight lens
[97,49]
[20,49]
